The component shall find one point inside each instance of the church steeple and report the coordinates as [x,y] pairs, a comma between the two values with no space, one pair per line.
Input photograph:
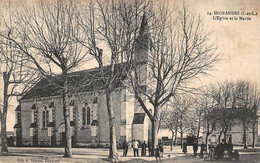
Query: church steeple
[144,25]
[142,42]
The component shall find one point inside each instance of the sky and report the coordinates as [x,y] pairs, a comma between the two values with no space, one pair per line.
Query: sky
[238,41]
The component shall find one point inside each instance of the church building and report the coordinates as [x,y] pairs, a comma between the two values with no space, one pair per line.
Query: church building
[39,115]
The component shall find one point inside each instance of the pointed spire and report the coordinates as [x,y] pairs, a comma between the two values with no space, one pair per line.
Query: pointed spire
[144,24]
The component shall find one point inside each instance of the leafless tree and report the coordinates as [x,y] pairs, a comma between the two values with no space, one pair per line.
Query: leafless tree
[171,121]
[46,34]
[17,76]
[254,94]
[179,51]
[112,27]
[205,107]
[245,106]
[223,96]
[17,79]
[183,105]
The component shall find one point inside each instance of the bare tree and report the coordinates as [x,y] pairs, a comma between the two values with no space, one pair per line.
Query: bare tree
[114,26]
[183,106]
[223,96]
[254,94]
[244,108]
[17,76]
[206,105]
[46,34]
[179,51]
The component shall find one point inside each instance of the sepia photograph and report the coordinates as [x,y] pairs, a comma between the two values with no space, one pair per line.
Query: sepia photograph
[131,81]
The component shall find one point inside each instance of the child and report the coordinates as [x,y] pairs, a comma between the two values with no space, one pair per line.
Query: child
[157,153]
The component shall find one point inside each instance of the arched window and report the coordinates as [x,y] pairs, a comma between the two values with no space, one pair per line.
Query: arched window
[47,117]
[88,116]
[43,118]
[84,116]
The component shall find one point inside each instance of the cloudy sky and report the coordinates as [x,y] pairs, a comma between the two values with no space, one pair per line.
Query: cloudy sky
[238,41]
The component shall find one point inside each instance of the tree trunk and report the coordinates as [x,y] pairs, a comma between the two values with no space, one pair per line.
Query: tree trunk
[175,137]
[253,132]
[225,134]
[172,140]
[219,136]
[181,138]
[207,135]
[181,131]
[68,150]
[154,135]
[6,77]
[244,135]
[198,132]
[113,155]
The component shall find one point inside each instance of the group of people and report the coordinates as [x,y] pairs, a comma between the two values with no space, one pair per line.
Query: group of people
[158,151]
[225,150]
[222,150]
[136,145]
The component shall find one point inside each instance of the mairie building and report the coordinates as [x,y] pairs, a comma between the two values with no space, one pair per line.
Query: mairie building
[39,115]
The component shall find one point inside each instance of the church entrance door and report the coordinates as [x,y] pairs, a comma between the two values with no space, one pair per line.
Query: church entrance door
[35,141]
[63,139]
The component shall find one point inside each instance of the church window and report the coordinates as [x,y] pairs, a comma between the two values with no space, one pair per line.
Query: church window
[43,119]
[47,117]
[88,116]
[95,100]
[84,116]
[19,117]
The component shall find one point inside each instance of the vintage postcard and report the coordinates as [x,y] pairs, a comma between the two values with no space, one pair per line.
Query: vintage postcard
[129,81]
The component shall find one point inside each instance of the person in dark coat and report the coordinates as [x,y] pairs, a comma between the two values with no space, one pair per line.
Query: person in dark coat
[125,147]
[202,148]
[184,148]
[195,148]
[229,148]
[157,153]
[149,147]
[161,148]
[144,149]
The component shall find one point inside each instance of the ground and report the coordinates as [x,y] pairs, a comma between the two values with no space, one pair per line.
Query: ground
[89,155]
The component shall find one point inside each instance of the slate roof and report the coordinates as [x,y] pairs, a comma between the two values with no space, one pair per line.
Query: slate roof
[139,118]
[80,81]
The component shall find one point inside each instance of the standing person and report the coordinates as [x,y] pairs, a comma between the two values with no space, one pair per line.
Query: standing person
[202,149]
[144,149]
[184,148]
[161,148]
[157,153]
[135,146]
[149,147]
[229,148]
[125,147]
[195,148]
